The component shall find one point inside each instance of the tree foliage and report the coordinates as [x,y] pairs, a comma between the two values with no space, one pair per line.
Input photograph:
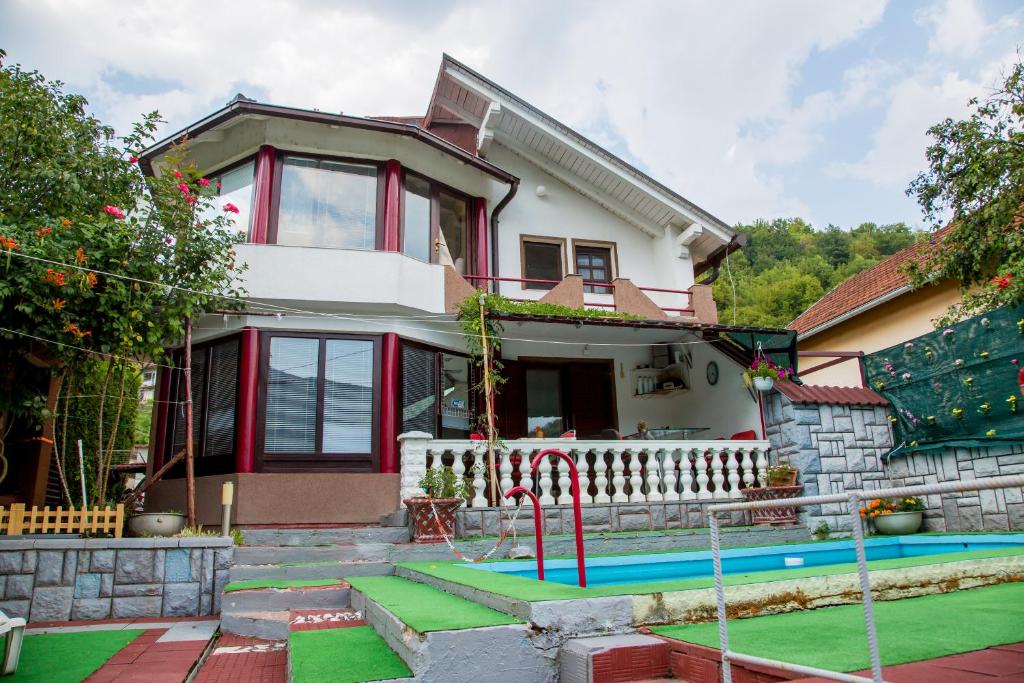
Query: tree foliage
[975,181]
[787,265]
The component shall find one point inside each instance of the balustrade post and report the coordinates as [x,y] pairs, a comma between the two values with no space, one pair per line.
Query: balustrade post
[670,475]
[601,478]
[564,482]
[583,476]
[761,464]
[618,480]
[701,463]
[525,473]
[414,464]
[544,467]
[748,468]
[686,476]
[479,483]
[504,472]
[717,476]
[636,480]
[732,473]
[654,477]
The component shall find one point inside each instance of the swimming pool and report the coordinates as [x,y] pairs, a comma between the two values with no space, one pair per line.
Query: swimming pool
[622,569]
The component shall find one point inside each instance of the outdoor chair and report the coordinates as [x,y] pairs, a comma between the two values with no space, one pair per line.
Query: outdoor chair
[14,630]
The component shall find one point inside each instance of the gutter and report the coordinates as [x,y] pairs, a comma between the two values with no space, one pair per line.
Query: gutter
[878,301]
[494,227]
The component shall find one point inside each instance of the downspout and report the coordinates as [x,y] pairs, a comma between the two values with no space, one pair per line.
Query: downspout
[494,230]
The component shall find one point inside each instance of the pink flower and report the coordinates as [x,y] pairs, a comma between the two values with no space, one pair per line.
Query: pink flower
[231,208]
[908,345]
[183,187]
[114,211]
[177,174]
[204,182]
[191,198]
[133,159]
[219,184]
[946,332]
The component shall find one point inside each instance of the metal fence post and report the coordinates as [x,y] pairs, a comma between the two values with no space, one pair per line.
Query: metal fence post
[865,587]
[723,629]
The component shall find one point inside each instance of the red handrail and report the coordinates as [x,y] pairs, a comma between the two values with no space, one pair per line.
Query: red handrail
[538,525]
[577,513]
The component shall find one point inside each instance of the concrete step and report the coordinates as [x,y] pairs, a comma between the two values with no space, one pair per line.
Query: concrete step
[269,625]
[318,570]
[633,657]
[326,535]
[276,599]
[316,619]
[270,554]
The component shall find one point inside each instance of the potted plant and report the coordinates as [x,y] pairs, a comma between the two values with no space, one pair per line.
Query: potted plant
[433,516]
[780,482]
[763,374]
[156,523]
[894,517]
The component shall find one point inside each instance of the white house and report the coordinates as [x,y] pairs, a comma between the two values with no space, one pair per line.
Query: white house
[364,234]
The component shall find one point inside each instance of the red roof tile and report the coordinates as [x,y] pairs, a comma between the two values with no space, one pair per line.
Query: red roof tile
[865,287]
[845,396]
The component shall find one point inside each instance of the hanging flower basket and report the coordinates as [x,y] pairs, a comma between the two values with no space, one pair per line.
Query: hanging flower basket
[773,516]
[764,383]
[428,526]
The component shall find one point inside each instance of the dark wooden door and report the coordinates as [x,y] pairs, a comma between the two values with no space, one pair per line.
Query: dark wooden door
[591,397]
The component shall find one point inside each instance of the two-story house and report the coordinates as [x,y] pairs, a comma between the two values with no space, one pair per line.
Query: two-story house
[363,236]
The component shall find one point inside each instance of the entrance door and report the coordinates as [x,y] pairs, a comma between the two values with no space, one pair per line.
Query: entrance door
[557,396]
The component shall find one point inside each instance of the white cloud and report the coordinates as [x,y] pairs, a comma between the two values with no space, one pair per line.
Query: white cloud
[958,26]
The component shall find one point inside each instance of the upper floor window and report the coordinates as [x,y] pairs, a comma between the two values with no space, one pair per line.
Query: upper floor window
[326,203]
[595,263]
[543,258]
[234,186]
[435,224]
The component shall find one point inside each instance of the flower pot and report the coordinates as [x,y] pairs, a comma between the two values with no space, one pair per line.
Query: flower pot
[156,523]
[764,383]
[773,516]
[898,523]
[432,519]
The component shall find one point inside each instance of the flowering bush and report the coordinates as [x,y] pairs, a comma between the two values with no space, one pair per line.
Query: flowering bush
[763,367]
[887,506]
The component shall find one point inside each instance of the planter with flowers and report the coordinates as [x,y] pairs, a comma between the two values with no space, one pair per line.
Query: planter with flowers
[780,483]
[894,516]
[763,374]
[432,516]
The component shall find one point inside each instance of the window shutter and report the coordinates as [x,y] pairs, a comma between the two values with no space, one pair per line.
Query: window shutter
[198,382]
[223,392]
[348,396]
[419,393]
[291,395]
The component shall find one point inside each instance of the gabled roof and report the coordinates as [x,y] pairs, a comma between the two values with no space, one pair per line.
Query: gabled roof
[844,396]
[464,96]
[876,285]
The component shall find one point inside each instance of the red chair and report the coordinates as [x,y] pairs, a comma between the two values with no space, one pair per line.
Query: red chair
[749,435]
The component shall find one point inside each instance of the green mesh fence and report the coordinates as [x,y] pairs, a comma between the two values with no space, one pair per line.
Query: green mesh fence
[958,385]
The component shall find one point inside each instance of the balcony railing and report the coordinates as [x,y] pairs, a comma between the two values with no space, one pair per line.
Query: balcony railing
[609,471]
[608,288]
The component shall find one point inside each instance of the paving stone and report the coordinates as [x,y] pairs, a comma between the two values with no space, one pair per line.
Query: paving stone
[181,600]
[136,607]
[90,608]
[51,603]
[87,586]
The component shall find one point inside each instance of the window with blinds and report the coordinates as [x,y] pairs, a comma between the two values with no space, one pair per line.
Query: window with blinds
[214,400]
[294,371]
[198,386]
[348,396]
[419,390]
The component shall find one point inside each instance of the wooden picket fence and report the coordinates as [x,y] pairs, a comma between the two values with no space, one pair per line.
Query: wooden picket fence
[17,521]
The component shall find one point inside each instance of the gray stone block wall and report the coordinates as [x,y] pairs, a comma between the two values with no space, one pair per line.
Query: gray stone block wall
[839,448]
[49,579]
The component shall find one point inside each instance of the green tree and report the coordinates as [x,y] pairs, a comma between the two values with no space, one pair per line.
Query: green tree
[975,182]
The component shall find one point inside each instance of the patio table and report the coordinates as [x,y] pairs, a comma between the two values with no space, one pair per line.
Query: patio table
[668,433]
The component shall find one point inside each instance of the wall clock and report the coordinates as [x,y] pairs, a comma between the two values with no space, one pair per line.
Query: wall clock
[712,373]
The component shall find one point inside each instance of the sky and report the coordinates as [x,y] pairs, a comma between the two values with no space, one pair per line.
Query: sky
[748,109]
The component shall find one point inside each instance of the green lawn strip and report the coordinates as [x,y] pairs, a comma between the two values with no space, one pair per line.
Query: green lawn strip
[343,655]
[424,608]
[60,657]
[255,584]
[533,591]
[909,630]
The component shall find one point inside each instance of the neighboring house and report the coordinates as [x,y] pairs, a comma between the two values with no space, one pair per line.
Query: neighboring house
[872,310]
[364,235]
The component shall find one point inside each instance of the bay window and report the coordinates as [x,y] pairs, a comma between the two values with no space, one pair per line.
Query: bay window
[436,393]
[435,223]
[234,186]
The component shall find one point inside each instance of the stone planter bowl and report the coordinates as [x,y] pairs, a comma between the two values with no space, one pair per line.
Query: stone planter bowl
[425,527]
[156,523]
[898,523]
[764,383]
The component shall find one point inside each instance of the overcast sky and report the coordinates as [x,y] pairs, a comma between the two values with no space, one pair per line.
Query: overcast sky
[749,109]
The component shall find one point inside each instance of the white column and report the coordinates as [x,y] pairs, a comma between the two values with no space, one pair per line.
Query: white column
[601,478]
[458,464]
[686,476]
[564,481]
[636,480]
[479,484]
[747,464]
[414,463]
[544,468]
[525,475]
[505,472]
[583,476]
[716,474]
[761,464]
[618,481]
[653,477]
[668,466]
[732,473]
[701,464]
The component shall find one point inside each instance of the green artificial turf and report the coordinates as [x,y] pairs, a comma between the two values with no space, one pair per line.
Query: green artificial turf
[255,584]
[909,630]
[522,588]
[68,657]
[424,608]
[343,655]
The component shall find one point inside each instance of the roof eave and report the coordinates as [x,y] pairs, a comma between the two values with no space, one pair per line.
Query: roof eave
[854,312]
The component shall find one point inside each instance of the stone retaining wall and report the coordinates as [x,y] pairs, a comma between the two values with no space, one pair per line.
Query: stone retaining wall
[56,579]
[558,519]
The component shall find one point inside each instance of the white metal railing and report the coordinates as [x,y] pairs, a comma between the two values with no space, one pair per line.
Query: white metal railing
[609,471]
[853,499]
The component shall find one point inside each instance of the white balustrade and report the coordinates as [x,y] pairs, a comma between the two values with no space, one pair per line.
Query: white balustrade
[707,470]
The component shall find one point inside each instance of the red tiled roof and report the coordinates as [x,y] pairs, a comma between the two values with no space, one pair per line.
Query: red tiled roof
[865,287]
[846,396]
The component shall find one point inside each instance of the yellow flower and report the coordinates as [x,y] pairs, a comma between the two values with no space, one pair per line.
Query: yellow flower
[990,433]
[58,304]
